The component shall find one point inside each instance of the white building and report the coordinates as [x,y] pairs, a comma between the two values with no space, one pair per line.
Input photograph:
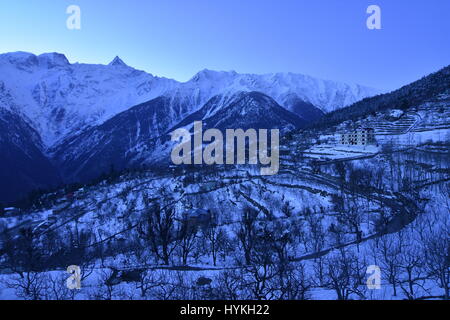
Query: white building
[359,137]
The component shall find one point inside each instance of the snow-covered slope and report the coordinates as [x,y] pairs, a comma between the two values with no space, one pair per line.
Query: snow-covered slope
[128,139]
[23,166]
[244,110]
[60,99]
[140,135]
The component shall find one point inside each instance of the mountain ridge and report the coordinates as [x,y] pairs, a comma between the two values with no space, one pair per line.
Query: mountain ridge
[60,99]
[88,118]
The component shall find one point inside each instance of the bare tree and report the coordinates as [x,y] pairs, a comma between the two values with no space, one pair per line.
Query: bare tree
[344,274]
[186,243]
[104,289]
[168,289]
[437,260]
[411,262]
[257,277]
[296,284]
[158,229]
[30,286]
[25,256]
[388,250]
[217,239]
[149,281]
[56,288]
[434,236]
[247,232]
[229,285]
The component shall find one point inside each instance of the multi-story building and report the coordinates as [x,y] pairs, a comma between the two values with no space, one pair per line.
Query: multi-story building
[359,137]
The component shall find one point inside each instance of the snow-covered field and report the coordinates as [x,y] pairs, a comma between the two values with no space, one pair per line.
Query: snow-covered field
[336,151]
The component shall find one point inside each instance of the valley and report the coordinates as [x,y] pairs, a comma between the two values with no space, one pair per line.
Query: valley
[102,193]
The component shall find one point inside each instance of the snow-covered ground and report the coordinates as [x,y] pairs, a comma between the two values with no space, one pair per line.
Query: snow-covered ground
[300,204]
[336,151]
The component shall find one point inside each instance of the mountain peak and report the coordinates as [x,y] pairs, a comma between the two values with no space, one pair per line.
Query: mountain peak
[207,74]
[53,59]
[117,62]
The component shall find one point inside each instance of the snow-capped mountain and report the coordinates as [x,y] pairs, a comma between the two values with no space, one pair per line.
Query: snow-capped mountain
[78,120]
[140,135]
[130,138]
[244,110]
[285,88]
[60,99]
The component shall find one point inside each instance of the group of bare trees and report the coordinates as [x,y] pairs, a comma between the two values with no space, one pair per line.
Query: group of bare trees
[258,249]
[417,258]
[31,255]
[173,239]
[258,246]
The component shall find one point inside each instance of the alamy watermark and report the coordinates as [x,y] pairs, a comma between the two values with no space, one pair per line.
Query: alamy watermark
[74,281]
[73,22]
[374,280]
[374,20]
[217,152]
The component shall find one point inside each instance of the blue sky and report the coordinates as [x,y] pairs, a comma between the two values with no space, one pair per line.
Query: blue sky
[176,38]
